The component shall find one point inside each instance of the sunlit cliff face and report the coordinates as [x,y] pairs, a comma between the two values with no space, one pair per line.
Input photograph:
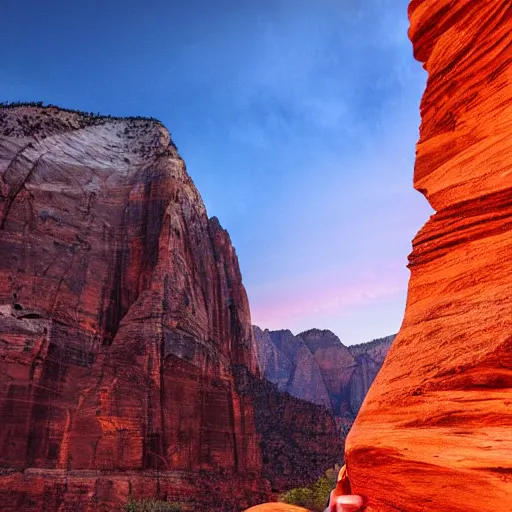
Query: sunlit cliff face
[434,428]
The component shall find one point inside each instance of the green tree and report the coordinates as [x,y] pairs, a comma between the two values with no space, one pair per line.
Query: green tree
[315,496]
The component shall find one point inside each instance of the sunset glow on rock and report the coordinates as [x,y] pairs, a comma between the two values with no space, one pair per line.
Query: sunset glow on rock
[435,428]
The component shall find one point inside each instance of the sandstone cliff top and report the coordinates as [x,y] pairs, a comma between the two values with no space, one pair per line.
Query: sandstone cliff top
[80,138]
[141,136]
[36,119]
[370,346]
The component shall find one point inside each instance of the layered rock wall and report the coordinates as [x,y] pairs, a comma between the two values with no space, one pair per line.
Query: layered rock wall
[285,360]
[369,358]
[122,312]
[435,430]
[337,366]
[127,360]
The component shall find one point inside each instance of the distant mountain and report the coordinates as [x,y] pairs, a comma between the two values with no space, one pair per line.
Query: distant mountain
[315,366]
[369,358]
[287,361]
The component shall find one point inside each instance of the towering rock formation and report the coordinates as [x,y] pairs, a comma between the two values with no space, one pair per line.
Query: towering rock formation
[317,367]
[122,316]
[272,363]
[435,430]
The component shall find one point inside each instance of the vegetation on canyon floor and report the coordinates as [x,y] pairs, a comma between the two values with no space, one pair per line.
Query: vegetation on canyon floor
[149,505]
[315,496]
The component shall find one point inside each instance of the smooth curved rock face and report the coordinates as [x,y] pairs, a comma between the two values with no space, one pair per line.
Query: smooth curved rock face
[276,507]
[122,312]
[435,430]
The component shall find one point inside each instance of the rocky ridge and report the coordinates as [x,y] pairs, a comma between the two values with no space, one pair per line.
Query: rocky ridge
[317,367]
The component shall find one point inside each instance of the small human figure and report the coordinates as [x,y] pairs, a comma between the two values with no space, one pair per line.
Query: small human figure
[341,498]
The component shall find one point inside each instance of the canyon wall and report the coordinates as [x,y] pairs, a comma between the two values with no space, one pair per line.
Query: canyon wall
[122,316]
[299,439]
[435,431]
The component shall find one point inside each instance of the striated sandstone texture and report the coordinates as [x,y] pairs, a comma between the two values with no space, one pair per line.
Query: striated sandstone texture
[121,312]
[435,431]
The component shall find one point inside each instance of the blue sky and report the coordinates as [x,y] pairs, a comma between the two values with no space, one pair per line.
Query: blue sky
[297,121]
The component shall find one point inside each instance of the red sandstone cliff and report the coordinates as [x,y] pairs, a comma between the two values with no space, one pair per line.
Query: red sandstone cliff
[435,431]
[122,316]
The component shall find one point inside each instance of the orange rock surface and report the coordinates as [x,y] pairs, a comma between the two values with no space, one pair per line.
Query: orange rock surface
[435,431]
[276,507]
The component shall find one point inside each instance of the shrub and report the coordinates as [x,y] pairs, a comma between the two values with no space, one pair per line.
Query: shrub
[149,505]
[315,496]
[93,116]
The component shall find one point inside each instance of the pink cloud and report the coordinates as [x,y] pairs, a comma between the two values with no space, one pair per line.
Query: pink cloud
[327,294]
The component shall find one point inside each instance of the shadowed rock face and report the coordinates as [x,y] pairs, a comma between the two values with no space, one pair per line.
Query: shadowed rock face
[285,360]
[317,367]
[435,428]
[299,439]
[369,358]
[122,315]
[336,364]
[273,364]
